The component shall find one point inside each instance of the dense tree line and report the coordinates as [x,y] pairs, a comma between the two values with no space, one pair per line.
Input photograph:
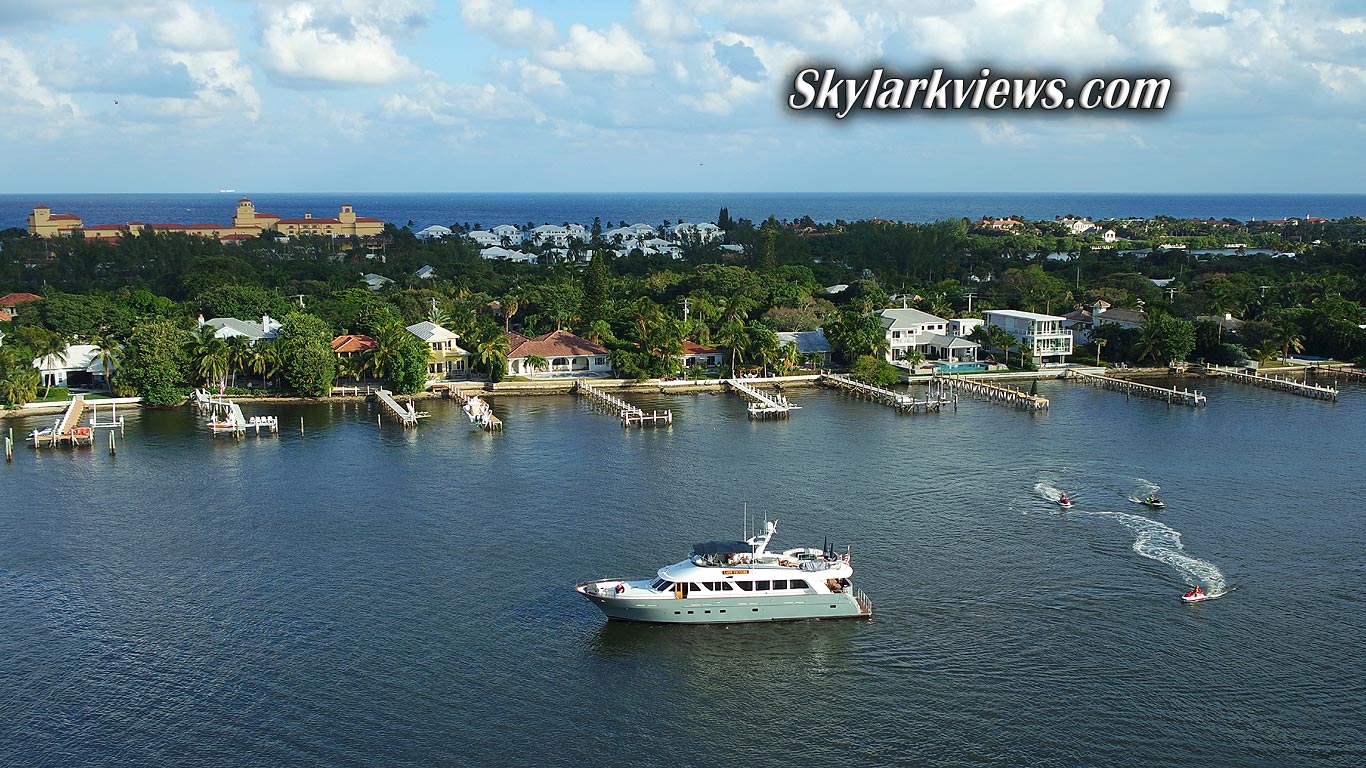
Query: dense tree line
[141,296]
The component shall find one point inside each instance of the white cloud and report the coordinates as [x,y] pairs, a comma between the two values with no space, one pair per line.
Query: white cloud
[663,19]
[27,103]
[185,28]
[309,42]
[223,82]
[591,51]
[507,24]
[449,104]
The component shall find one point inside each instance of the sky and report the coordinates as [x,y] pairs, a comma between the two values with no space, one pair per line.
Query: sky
[663,96]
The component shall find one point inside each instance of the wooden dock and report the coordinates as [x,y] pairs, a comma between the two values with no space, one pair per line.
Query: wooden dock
[66,430]
[630,415]
[479,414]
[1281,383]
[762,405]
[902,402]
[407,415]
[1188,397]
[993,393]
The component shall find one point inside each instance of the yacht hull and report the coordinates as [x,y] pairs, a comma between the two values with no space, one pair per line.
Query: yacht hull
[730,610]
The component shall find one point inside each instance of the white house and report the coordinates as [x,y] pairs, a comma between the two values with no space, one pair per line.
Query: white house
[79,366]
[909,330]
[550,234]
[963,327]
[434,231]
[1083,322]
[1043,335]
[426,272]
[565,355]
[695,354]
[227,327]
[704,232]
[499,252]
[484,238]
[1078,226]
[513,234]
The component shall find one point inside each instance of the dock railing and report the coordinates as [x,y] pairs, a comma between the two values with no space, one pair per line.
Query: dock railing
[993,393]
[762,405]
[630,415]
[1281,383]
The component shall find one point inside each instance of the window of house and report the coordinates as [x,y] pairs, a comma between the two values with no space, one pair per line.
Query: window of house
[600,361]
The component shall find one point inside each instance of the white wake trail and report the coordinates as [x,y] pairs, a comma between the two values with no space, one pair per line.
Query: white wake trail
[1162,543]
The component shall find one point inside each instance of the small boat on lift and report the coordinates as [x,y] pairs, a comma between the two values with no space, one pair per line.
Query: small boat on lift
[725,582]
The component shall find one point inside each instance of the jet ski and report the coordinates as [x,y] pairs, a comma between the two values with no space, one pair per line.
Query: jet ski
[1197,595]
[1152,502]
[1065,502]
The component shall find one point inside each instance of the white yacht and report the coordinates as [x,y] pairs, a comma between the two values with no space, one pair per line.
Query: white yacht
[734,581]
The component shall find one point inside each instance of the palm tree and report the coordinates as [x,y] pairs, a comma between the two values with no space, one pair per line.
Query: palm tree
[790,357]
[533,362]
[509,304]
[764,346]
[18,378]
[491,352]
[51,347]
[238,351]
[1100,342]
[599,330]
[735,335]
[260,359]
[108,351]
[437,315]
[209,354]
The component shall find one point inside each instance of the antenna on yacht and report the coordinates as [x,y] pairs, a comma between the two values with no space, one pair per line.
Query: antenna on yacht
[744,529]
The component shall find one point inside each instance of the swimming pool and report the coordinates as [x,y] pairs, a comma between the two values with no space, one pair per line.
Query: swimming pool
[961,367]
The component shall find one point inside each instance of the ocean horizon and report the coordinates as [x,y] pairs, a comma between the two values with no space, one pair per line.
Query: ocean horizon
[491,209]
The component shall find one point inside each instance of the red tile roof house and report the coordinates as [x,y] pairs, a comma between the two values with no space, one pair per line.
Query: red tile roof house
[567,355]
[695,354]
[15,299]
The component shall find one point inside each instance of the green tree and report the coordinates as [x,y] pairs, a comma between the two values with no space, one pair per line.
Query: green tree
[155,363]
[50,348]
[307,360]
[18,377]
[874,370]
[853,334]
[209,356]
[1164,338]
[400,358]
[534,362]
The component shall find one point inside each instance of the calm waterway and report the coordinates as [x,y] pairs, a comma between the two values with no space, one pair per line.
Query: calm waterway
[365,595]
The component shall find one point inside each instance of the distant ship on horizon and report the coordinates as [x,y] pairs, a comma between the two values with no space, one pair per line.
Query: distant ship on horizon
[227,190]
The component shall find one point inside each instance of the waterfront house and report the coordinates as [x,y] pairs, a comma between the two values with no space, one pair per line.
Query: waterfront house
[445,359]
[1084,321]
[227,327]
[1041,335]
[963,327]
[348,345]
[809,343]
[564,353]
[909,330]
[700,355]
[435,231]
[79,365]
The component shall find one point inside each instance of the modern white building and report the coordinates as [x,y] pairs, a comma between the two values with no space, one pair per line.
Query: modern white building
[964,326]
[550,234]
[1043,335]
[910,330]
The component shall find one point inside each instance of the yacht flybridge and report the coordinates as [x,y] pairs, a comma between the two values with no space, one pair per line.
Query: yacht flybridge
[734,581]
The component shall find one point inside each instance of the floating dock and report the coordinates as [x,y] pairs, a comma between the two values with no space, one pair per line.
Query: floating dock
[630,415]
[407,415]
[761,404]
[1188,397]
[902,402]
[65,430]
[1282,383]
[993,393]
[486,421]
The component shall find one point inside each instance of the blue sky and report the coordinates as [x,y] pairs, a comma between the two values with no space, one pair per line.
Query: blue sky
[661,95]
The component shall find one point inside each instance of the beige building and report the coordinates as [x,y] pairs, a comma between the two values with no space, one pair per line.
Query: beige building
[247,223]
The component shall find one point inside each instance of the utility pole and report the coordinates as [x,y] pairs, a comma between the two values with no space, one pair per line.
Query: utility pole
[970,298]
[1171,294]
[685,309]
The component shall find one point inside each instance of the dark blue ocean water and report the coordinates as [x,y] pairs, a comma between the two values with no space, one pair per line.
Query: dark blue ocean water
[493,209]
[369,596]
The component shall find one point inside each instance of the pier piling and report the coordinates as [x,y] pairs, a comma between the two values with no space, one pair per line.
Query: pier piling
[1187,397]
[630,415]
[1281,383]
[762,405]
[993,393]
[903,403]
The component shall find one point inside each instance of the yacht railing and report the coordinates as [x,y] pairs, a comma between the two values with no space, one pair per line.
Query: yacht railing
[865,603]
